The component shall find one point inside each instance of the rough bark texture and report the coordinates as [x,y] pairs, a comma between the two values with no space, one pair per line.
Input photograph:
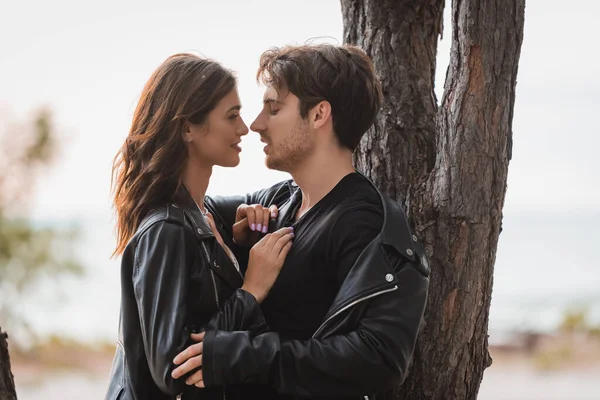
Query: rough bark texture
[7,384]
[447,165]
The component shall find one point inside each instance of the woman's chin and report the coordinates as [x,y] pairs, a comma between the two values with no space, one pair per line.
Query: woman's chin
[230,163]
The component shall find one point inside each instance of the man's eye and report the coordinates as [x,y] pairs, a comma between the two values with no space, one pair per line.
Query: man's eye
[274,112]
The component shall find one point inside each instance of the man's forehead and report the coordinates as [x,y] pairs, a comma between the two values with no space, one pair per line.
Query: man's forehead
[273,95]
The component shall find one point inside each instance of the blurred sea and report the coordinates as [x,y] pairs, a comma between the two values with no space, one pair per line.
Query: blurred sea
[546,264]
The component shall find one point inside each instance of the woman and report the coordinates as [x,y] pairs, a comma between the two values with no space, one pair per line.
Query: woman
[177,274]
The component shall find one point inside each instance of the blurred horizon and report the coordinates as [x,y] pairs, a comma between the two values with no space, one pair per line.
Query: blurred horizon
[531,293]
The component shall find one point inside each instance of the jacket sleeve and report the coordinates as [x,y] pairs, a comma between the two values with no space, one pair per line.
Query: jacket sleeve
[362,361]
[224,208]
[241,312]
[163,259]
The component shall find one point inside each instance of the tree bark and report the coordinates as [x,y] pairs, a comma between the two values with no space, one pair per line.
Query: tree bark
[447,166]
[7,384]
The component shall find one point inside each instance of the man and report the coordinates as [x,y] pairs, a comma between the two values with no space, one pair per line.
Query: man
[344,313]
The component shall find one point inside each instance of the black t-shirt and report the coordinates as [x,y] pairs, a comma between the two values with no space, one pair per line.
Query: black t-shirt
[328,239]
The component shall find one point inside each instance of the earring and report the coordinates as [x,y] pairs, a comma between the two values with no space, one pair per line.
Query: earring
[189,138]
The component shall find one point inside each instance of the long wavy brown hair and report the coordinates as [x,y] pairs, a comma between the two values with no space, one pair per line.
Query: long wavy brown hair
[147,169]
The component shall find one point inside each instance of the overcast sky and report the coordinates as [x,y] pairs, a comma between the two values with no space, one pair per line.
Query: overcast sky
[89,64]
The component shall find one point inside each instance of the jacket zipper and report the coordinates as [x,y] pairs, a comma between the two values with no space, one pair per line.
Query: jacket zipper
[212,275]
[355,302]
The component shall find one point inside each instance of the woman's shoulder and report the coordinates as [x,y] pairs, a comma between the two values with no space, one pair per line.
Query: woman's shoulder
[166,221]
[163,227]
[164,214]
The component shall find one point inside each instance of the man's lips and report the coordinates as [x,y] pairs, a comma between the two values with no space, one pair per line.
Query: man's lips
[266,142]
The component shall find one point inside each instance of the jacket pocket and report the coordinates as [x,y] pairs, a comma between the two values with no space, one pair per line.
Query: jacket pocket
[116,385]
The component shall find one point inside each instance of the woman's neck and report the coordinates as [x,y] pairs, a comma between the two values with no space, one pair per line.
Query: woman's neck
[196,178]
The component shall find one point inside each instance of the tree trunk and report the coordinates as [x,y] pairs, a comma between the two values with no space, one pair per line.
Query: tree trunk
[7,384]
[447,166]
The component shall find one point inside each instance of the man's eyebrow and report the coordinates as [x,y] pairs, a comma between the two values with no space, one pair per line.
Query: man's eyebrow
[270,100]
[236,107]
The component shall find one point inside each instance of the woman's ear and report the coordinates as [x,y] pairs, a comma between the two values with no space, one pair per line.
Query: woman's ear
[186,132]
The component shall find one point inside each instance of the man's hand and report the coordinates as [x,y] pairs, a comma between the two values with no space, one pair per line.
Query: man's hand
[251,221]
[190,359]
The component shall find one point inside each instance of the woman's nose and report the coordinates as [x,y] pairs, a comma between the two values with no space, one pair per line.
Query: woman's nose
[242,130]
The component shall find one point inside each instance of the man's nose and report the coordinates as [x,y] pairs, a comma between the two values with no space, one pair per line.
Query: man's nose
[258,125]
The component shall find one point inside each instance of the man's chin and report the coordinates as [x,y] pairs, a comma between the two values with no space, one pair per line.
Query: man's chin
[275,164]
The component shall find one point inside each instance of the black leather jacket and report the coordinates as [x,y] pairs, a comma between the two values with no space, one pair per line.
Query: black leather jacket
[367,338]
[175,278]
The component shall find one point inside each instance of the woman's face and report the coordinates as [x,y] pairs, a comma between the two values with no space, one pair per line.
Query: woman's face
[217,140]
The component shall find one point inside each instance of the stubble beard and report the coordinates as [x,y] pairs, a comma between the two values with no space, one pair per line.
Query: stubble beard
[289,154]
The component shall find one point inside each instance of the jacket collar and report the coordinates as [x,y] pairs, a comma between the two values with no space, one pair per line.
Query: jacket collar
[184,200]
[395,231]
[374,270]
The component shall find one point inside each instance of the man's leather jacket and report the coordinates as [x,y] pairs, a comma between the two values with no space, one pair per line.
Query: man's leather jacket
[367,338]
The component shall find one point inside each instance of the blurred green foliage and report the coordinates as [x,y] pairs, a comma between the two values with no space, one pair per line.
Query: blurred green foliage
[575,342]
[574,321]
[578,321]
[29,253]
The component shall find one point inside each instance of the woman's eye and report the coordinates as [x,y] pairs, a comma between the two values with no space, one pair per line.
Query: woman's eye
[234,116]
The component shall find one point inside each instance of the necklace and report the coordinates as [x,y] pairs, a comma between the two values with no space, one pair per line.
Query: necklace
[204,212]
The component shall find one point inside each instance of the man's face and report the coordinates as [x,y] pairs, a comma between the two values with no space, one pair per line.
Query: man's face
[285,133]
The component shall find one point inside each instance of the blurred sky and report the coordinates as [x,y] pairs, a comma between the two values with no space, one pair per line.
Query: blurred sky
[89,61]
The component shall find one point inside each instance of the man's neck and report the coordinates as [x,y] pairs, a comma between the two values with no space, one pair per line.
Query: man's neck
[196,178]
[319,174]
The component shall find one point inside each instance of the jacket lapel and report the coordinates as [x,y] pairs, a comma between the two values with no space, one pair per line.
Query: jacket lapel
[222,265]
[218,260]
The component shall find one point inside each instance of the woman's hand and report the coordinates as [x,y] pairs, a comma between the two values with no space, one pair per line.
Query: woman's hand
[250,222]
[265,262]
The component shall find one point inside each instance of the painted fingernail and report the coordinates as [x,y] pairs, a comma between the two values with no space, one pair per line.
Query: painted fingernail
[273,214]
[264,230]
[253,227]
[259,227]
